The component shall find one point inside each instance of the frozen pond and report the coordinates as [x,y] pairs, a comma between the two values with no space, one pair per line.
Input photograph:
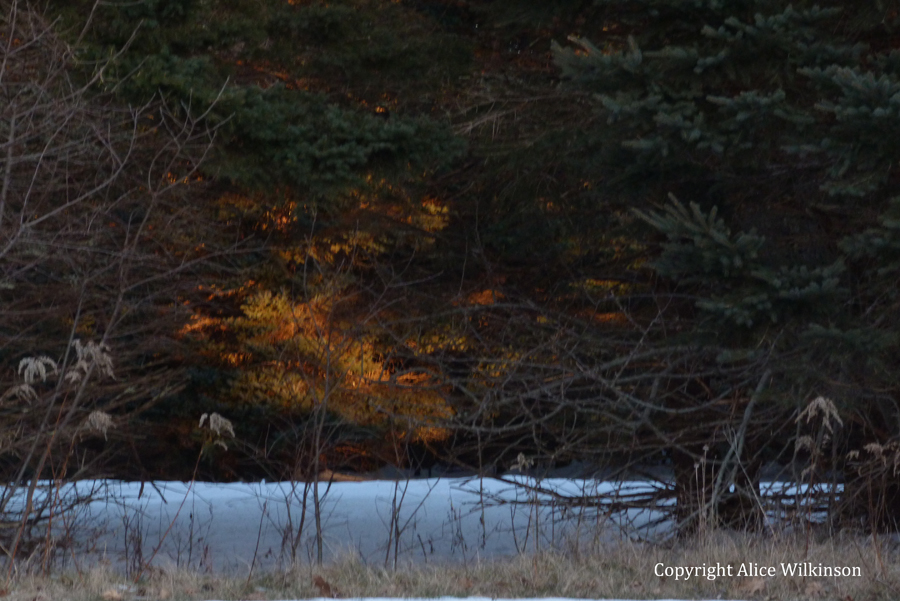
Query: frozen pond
[227,526]
[236,525]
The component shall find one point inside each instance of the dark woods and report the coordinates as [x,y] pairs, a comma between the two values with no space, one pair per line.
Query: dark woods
[644,238]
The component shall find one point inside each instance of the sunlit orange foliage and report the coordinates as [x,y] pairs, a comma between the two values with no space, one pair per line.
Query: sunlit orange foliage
[484,297]
[312,355]
[609,317]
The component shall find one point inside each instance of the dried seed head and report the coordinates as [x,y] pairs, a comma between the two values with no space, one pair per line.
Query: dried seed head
[90,354]
[804,442]
[824,406]
[874,448]
[22,392]
[99,421]
[218,424]
[522,463]
[34,367]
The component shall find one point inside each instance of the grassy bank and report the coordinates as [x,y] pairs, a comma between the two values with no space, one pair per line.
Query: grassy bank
[625,570]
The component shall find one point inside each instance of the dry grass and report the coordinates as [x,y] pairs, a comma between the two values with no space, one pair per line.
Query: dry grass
[625,570]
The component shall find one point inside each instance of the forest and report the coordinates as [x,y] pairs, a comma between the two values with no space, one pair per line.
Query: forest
[245,239]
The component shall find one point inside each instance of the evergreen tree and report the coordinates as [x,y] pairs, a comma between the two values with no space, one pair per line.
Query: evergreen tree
[768,119]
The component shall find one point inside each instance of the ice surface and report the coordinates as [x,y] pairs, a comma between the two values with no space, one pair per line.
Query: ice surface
[234,525]
[225,527]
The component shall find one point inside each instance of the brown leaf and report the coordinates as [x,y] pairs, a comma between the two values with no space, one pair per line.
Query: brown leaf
[325,589]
